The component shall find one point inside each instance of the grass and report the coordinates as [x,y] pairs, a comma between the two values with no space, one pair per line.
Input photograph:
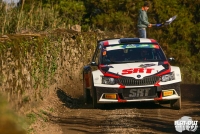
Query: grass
[36,18]
[32,117]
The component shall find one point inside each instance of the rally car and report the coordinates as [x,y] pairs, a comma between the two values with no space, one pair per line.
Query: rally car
[131,70]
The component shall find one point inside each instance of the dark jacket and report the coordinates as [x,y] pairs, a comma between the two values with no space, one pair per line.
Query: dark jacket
[142,19]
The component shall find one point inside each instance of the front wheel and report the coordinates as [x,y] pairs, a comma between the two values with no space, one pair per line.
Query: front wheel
[175,104]
[94,98]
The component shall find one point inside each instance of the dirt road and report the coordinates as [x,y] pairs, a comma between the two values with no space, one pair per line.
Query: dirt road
[130,118]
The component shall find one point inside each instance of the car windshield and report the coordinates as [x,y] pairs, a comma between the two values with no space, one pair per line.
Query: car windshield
[127,53]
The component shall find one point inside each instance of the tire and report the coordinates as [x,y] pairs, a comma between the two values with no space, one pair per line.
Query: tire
[94,98]
[86,93]
[176,104]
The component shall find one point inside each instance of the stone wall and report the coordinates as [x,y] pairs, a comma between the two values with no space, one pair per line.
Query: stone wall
[32,66]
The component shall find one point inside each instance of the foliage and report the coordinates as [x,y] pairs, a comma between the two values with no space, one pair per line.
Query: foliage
[43,53]
[180,39]
[71,12]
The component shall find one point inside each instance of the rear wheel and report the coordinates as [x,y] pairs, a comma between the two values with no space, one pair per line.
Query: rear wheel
[86,93]
[176,104]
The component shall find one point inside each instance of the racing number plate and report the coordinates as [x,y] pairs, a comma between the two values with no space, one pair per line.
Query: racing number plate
[136,93]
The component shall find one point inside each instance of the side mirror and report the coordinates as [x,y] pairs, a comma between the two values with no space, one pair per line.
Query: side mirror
[171,59]
[93,63]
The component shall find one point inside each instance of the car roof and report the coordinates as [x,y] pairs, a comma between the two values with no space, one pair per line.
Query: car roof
[108,42]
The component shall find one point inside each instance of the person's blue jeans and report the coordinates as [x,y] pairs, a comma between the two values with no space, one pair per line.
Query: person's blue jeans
[142,33]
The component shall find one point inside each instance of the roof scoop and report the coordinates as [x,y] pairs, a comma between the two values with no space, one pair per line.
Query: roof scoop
[129,40]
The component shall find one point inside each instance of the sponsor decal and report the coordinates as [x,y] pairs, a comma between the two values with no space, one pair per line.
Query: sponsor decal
[139,92]
[146,65]
[132,46]
[185,124]
[137,70]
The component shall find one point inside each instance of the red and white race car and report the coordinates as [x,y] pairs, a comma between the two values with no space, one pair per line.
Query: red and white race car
[129,70]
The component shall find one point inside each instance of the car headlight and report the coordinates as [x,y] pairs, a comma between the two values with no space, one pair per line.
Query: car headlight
[108,80]
[168,77]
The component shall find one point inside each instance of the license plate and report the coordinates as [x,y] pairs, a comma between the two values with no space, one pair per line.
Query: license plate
[168,93]
[139,92]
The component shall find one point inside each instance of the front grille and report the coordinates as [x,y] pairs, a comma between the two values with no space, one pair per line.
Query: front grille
[129,81]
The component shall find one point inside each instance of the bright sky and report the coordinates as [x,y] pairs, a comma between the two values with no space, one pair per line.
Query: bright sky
[9,1]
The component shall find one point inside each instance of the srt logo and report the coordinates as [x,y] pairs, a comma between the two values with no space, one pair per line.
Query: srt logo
[139,92]
[136,70]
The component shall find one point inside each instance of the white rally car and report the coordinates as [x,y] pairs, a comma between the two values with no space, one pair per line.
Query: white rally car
[129,70]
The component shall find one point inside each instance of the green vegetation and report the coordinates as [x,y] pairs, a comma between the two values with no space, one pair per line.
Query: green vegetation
[180,39]
[50,20]
[31,117]
[43,55]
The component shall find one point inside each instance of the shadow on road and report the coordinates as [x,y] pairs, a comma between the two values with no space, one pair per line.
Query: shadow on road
[77,103]
[190,92]
[67,100]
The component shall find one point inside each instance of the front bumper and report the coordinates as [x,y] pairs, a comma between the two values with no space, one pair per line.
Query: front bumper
[172,97]
[157,94]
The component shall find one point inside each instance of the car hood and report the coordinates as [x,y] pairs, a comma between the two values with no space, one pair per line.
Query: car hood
[137,70]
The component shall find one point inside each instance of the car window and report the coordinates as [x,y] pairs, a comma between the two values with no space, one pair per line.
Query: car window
[98,55]
[132,53]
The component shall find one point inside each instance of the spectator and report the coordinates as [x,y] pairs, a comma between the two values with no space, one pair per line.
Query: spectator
[143,20]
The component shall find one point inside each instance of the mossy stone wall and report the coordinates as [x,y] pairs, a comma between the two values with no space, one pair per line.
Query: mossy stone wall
[32,66]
